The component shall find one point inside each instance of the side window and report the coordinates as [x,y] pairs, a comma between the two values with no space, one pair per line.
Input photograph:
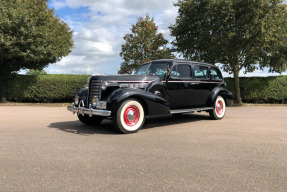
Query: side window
[215,74]
[182,71]
[200,72]
[174,71]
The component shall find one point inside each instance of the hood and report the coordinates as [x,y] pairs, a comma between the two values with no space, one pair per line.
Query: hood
[128,78]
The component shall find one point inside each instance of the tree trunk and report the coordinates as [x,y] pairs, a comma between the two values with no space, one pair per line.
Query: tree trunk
[3,86]
[3,90]
[237,87]
[3,100]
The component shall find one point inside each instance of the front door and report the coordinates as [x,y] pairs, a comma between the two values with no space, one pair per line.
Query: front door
[179,87]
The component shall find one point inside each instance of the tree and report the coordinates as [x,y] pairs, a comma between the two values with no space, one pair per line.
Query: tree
[142,45]
[240,34]
[31,37]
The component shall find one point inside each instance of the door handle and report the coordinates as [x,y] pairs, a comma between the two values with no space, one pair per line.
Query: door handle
[194,83]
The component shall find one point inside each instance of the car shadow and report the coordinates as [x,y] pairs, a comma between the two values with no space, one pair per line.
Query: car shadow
[162,121]
[106,127]
[76,127]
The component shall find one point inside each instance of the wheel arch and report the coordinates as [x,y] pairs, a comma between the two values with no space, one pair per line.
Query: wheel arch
[139,99]
[152,104]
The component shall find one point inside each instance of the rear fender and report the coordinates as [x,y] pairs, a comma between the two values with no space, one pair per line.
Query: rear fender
[153,104]
[227,95]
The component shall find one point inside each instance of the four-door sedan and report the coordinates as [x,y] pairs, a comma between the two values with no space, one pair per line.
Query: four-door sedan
[159,87]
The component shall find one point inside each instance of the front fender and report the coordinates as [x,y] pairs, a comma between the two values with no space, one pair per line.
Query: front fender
[83,94]
[227,95]
[152,104]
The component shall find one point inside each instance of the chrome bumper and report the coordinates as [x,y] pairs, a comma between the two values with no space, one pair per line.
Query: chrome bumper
[89,111]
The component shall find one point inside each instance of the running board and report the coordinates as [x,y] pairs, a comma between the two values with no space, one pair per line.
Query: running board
[190,110]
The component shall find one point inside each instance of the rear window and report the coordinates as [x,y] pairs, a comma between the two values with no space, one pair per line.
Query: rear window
[200,72]
[215,74]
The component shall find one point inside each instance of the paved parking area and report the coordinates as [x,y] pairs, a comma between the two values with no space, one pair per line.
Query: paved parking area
[48,149]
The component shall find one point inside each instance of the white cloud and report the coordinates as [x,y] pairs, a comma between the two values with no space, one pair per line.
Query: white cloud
[99,27]
[99,30]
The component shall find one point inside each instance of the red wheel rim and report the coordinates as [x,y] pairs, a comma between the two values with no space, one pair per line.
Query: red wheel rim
[131,115]
[219,107]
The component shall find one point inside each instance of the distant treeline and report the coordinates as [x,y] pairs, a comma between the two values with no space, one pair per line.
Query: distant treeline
[62,88]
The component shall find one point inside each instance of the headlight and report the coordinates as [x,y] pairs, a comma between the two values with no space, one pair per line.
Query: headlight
[94,101]
[104,85]
[76,100]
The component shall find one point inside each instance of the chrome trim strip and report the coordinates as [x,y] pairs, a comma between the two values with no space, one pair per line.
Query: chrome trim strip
[193,81]
[190,110]
[116,81]
[89,111]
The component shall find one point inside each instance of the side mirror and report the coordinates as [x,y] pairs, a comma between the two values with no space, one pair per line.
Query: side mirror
[166,74]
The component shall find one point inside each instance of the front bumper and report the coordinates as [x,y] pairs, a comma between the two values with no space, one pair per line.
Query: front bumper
[89,111]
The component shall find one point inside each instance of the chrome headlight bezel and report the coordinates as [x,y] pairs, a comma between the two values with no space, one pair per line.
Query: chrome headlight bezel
[76,100]
[95,101]
[104,85]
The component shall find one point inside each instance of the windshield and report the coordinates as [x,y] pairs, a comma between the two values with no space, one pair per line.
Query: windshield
[152,69]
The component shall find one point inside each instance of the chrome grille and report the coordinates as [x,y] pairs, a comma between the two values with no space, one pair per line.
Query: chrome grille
[94,89]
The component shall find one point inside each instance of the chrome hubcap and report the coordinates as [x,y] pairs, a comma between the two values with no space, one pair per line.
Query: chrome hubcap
[131,115]
[219,107]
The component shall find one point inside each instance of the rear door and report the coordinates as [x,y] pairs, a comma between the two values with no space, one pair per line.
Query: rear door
[201,86]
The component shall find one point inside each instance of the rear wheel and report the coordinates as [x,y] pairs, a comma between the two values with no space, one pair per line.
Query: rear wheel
[94,120]
[129,117]
[218,110]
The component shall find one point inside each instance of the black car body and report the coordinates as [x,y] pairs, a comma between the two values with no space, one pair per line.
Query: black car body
[159,87]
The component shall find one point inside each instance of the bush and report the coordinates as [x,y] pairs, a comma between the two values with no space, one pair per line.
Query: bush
[277,89]
[45,88]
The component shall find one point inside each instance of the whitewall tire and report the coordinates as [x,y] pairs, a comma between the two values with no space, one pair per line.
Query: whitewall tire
[219,108]
[129,117]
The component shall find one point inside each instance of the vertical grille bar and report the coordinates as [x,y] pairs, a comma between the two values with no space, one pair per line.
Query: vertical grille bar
[95,89]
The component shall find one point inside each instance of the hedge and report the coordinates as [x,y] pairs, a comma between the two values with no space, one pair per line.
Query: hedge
[45,88]
[62,88]
[261,89]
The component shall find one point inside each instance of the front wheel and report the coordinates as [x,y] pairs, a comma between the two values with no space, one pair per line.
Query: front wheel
[94,120]
[218,110]
[129,117]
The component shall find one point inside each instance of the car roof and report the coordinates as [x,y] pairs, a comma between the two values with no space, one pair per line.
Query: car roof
[178,61]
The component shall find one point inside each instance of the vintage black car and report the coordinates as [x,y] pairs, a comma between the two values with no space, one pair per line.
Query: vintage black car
[159,87]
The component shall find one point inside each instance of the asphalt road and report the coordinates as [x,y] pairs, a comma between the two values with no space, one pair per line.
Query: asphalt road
[48,149]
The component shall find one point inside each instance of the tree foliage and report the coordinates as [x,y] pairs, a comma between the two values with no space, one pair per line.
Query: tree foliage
[240,34]
[143,44]
[31,36]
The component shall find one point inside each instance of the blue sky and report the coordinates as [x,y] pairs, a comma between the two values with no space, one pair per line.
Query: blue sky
[99,26]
